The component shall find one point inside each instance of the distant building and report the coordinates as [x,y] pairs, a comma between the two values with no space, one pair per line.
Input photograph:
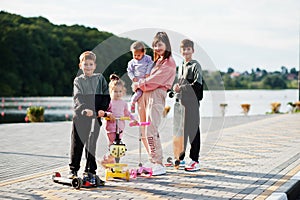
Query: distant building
[235,74]
[291,77]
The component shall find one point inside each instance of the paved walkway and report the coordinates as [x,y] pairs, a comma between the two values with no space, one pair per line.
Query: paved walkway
[251,157]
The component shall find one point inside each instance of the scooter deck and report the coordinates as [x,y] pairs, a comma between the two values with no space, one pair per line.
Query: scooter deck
[76,182]
[115,170]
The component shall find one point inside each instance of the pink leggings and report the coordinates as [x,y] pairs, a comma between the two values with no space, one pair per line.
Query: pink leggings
[112,137]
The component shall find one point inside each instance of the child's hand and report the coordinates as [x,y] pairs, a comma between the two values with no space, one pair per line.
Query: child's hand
[134,86]
[134,123]
[176,88]
[101,113]
[134,80]
[111,117]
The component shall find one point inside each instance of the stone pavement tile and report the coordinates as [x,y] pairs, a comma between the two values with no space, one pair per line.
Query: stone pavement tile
[245,162]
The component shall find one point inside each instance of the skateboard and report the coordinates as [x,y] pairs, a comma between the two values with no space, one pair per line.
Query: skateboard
[88,181]
[178,137]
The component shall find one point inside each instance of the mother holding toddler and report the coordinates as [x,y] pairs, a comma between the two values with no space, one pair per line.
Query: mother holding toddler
[152,102]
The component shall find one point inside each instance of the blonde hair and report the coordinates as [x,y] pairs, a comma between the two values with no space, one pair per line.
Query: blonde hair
[115,81]
[87,55]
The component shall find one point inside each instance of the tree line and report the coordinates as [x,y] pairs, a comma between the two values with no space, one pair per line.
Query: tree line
[39,58]
[256,79]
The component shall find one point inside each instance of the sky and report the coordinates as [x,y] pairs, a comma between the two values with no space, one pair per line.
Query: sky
[240,34]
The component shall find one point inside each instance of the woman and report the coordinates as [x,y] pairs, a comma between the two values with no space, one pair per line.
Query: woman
[152,102]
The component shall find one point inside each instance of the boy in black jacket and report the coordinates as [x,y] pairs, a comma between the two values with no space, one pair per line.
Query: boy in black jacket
[90,99]
[190,87]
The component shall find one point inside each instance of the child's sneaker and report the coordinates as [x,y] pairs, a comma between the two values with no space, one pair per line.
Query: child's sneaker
[158,169]
[182,163]
[192,166]
[148,164]
[132,108]
[179,163]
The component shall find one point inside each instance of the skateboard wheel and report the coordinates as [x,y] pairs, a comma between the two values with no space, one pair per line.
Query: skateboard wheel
[169,160]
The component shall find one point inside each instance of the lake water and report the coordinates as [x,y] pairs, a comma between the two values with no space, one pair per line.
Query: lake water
[13,109]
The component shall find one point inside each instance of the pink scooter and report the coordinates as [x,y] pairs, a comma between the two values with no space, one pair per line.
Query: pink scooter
[141,171]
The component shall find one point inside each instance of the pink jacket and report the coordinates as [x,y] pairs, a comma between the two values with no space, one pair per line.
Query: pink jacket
[118,108]
[162,76]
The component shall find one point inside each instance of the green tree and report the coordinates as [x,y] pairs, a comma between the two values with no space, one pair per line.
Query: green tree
[274,82]
[39,58]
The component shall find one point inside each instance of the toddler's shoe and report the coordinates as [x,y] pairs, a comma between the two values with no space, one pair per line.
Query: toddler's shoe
[192,166]
[132,108]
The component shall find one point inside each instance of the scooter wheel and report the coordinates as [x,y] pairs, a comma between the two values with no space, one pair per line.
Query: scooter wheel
[127,175]
[133,173]
[77,183]
[169,160]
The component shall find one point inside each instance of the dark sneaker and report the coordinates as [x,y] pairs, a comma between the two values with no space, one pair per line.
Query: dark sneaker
[92,180]
[72,174]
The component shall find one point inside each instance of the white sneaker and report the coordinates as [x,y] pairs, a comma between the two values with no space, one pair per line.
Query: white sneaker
[158,169]
[148,164]
[192,166]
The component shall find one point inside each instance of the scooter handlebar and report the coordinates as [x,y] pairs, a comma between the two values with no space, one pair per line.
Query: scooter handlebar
[119,118]
[139,123]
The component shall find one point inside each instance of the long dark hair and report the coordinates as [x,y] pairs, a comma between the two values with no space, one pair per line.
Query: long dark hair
[163,37]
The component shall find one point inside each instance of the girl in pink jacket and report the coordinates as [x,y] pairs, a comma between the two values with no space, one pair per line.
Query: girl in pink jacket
[117,108]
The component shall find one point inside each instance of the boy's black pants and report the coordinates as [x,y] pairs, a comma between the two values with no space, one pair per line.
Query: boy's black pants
[191,129]
[82,137]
